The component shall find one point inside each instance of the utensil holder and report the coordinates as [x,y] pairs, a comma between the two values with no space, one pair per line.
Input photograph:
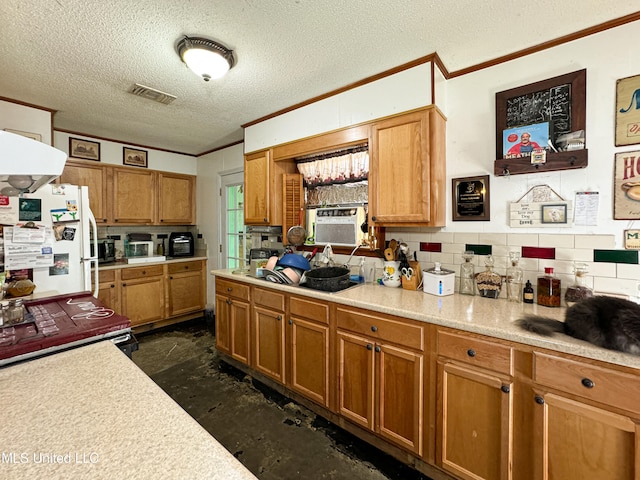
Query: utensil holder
[416,279]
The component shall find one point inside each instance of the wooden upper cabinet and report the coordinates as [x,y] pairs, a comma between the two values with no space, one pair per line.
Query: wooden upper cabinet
[129,195]
[176,199]
[134,199]
[257,188]
[97,178]
[407,169]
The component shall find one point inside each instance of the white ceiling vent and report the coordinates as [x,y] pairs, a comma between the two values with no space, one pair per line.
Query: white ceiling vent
[152,94]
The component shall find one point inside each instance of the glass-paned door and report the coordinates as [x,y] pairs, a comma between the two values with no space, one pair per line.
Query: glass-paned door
[235,239]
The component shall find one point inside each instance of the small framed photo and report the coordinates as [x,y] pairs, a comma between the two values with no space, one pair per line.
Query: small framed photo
[85,149]
[471,198]
[133,157]
[32,136]
[556,213]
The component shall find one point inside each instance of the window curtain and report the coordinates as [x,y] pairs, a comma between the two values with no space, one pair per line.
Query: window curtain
[344,166]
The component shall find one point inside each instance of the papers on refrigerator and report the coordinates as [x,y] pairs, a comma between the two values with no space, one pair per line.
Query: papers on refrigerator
[28,247]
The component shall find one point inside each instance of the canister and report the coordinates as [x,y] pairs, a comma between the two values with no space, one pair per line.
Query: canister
[438,281]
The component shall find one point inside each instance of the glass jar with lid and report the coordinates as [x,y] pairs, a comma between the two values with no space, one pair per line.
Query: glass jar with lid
[15,312]
[467,274]
[579,289]
[488,282]
[549,289]
[514,278]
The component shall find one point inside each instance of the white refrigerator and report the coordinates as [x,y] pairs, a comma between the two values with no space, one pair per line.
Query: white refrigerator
[58,250]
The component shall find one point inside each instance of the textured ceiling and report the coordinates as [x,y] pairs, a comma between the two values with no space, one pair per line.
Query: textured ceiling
[80,57]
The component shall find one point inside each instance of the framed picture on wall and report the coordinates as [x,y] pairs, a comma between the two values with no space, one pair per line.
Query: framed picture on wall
[471,198]
[628,111]
[133,157]
[85,149]
[626,186]
[32,136]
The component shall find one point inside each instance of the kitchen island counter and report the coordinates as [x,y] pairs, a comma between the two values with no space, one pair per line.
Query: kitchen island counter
[486,316]
[92,413]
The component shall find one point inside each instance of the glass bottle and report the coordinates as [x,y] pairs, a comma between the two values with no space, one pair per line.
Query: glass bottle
[527,293]
[467,274]
[579,290]
[514,278]
[548,289]
[488,282]
[15,313]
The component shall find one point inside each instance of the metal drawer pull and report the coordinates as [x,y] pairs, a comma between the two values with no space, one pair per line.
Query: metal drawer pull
[228,301]
[290,322]
[378,349]
[279,317]
[374,328]
[229,289]
[539,400]
[505,388]
[369,346]
[588,383]
[471,352]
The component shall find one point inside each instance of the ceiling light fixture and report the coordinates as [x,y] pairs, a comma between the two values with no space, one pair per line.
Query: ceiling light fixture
[207,59]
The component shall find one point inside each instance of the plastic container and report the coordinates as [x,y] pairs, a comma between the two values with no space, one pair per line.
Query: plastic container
[549,288]
[438,281]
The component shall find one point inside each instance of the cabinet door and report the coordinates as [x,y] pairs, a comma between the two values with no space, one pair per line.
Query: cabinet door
[269,344]
[134,196]
[96,177]
[400,392]
[310,359]
[232,327]
[583,442]
[407,171]
[176,199]
[474,426]
[186,293]
[257,188]
[356,379]
[108,295]
[143,300]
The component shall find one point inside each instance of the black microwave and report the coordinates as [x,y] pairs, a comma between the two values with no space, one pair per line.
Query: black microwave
[181,244]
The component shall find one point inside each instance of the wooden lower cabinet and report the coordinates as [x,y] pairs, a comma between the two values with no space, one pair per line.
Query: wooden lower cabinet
[381,382]
[187,287]
[587,421]
[156,294]
[233,315]
[307,349]
[475,407]
[142,294]
[269,340]
[453,404]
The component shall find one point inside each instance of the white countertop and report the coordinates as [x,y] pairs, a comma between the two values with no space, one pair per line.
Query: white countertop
[486,316]
[92,413]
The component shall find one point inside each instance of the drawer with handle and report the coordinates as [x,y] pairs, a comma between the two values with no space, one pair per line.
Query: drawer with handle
[604,385]
[475,351]
[232,289]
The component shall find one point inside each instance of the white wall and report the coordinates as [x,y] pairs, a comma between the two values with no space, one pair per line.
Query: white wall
[26,119]
[111,153]
[210,167]
[607,56]
[393,94]
[469,104]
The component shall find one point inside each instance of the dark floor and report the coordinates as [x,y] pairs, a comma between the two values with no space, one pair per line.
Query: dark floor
[274,437]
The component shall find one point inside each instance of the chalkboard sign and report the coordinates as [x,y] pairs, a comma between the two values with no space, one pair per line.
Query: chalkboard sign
[552,105]
[559,101]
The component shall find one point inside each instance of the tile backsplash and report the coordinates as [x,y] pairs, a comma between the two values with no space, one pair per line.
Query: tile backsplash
[611,271]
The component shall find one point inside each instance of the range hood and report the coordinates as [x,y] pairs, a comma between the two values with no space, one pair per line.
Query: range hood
[26,164]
